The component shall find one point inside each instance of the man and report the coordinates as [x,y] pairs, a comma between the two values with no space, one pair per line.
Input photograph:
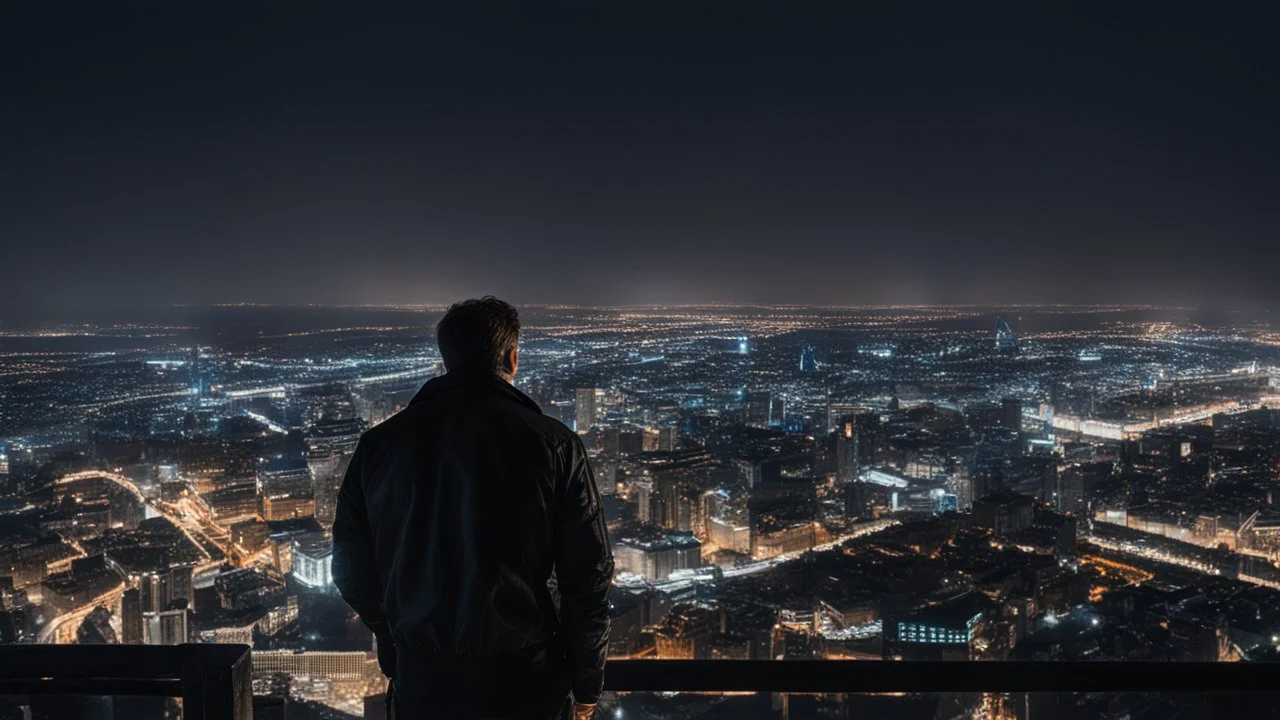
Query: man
[451,519]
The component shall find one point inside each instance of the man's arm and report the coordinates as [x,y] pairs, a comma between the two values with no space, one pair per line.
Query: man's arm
[584,572]
[355,569]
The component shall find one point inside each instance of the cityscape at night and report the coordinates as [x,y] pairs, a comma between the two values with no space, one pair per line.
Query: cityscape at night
[824,360]
[781,483]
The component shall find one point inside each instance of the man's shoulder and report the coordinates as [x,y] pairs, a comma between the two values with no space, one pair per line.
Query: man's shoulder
[556,432]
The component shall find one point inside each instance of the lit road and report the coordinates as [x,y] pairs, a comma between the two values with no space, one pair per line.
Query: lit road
[62,629]
[763,565]
[191,529]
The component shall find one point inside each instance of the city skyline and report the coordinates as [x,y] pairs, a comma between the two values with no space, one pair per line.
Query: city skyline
[833,156]
[778,483]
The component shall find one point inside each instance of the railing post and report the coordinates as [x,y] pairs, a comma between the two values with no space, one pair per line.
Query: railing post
[217,683]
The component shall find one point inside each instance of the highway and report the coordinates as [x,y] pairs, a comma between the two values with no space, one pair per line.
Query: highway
[874,526]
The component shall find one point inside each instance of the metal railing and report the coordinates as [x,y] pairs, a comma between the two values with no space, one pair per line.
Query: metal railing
[213,680]
[870,676]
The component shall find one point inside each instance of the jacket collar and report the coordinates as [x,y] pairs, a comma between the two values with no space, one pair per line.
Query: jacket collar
[481,379]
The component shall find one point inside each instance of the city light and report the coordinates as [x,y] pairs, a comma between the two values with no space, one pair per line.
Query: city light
[931,493]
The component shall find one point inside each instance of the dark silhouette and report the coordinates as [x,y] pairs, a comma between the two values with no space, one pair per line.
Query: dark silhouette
[451,519]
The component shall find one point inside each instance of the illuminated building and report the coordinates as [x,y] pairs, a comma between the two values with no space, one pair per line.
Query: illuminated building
[724,535]
[233,503]
[167,627]
[808,361]
[287,508]
[846,451]
[313,560]
[669,439]
[686,633]
[769,541]
[160,589]
[286,491]
[1006,341]
[250,536]
[330,444]
[939,632]
[239,589]
[1065,490]
[655,555]
[585,408]
[131,617]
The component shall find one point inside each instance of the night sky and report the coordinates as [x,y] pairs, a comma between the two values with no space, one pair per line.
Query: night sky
[740,152]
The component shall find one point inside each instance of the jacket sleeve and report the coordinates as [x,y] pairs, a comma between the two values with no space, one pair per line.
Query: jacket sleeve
[355,570]
[584,572]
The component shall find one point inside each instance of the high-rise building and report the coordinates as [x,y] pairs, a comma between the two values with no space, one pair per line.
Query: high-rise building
[777,411]
[808,362]
[286,491]
[168,627]
[846,451]
[586,408]
[158,590]
[1065,490]
[1005,339]
[313,560]
[668,439]
[330,443]
[131,617]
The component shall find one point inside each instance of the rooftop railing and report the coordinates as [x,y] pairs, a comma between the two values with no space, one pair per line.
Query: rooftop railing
[214,681]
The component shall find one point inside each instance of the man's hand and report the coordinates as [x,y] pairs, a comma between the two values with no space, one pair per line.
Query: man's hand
[584,711]
[387,655]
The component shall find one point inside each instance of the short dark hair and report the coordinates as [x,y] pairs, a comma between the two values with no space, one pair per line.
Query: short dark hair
[478,334]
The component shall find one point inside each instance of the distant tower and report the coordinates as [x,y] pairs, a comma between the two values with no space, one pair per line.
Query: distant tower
[197,381]
[743,346]
[585,409]
[131,617]
[1005,339]
[808,363]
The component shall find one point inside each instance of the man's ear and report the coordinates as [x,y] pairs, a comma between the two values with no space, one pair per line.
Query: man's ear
[513,359]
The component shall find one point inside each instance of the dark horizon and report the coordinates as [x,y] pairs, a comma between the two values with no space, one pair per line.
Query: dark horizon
[768,155]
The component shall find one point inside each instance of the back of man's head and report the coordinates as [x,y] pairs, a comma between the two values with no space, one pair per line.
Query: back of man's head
[479,335]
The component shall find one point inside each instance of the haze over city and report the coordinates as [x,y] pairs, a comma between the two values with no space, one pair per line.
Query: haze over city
[662,153]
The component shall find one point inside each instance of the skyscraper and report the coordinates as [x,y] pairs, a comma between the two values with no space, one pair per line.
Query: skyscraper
[846,451]
[158,590]
[1005,339]
[131,617]
[808,363]
[168,627]
[585,409]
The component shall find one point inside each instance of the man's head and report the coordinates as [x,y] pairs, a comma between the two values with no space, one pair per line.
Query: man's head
[480,334]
